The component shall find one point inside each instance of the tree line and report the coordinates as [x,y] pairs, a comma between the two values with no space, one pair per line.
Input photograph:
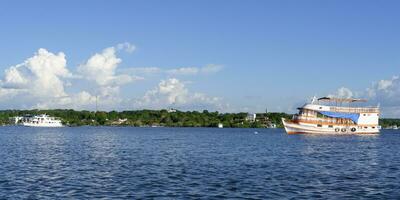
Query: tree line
[152,118]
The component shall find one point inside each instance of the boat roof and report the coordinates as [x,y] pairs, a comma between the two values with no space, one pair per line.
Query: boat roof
[347,100]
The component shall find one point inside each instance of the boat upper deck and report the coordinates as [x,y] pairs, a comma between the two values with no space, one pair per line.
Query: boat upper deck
[319,108]
[354,109]
[336,105]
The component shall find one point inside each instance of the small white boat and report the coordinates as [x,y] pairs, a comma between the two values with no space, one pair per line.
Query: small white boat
[42,121]
[317,118]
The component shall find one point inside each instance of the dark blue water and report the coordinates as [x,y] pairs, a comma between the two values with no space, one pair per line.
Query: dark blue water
[193,163]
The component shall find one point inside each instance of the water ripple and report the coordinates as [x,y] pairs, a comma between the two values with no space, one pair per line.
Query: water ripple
[195,163]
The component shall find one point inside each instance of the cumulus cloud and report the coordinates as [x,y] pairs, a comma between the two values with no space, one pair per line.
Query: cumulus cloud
[14,78]
[342,92]
[41,75]
[41,80]
[387,89]
[101,68]
[174,93]
[44,81]
[9,93]
[170,91]
[81,100]
[385,93]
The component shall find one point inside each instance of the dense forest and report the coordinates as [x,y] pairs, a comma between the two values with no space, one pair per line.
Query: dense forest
[152,118]
[387,123]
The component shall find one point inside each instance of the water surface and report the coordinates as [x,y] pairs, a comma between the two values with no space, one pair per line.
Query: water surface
[193,163]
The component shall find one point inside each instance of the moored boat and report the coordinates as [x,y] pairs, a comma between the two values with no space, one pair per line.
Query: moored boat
[42,121]
[334,118]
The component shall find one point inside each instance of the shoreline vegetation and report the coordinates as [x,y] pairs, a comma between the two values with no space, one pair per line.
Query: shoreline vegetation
[152,118]
[163,118]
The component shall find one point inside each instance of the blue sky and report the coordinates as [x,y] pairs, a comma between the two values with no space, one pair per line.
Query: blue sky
[273,54]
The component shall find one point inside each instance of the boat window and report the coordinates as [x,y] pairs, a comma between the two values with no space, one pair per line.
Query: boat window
[364,114]
[319,125]
[365,127]
[330,126]
[373,127]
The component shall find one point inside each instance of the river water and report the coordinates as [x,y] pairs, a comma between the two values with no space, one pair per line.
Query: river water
[195,163]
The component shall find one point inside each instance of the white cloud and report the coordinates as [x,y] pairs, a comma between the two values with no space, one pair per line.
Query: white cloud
[44,81]
[342,92]
[40,81]
[81,100]
[14,78]
[385,93]
[385,84]
[101,67]
[9,93]
[40,75]
[174,93]
[208,69]
[141,70]
[180,71]
[184,71]
[385,87]
[168,92]
[128,47]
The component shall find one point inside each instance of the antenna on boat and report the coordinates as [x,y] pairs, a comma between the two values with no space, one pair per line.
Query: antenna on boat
[314,99]
[96,102]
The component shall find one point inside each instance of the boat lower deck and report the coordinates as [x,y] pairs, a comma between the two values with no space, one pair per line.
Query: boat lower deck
[296,127]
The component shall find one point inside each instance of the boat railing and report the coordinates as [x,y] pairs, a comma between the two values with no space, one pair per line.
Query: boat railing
[354,109]
[323,120]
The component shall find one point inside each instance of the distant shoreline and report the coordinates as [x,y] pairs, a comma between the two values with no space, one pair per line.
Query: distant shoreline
[144,127]
[164,118]
[153,118]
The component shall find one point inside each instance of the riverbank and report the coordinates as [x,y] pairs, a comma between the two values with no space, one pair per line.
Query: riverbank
[154,118]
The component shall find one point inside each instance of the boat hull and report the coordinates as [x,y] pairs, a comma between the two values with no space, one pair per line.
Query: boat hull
[54,125]
[302,128]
